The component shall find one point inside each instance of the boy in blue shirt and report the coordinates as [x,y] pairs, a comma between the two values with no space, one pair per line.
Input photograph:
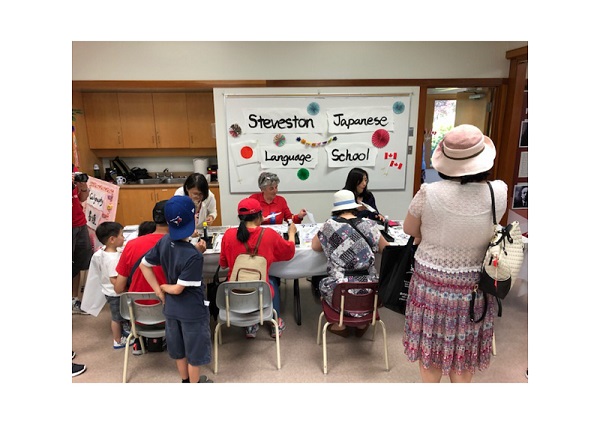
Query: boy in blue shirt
[185,307]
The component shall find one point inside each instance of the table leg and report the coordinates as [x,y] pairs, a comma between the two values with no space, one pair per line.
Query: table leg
[297,311]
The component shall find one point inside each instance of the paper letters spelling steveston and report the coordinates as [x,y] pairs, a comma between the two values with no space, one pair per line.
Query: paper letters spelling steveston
[295,122]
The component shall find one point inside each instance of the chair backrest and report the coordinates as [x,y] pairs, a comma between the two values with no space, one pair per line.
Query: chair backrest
[246,297]
[357,298]
[143,308]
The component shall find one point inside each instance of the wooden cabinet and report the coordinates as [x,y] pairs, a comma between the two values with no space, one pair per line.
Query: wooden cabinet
[136,205]
[215,191]
[137,120]
[143,120]
[200,117]
[154,120]
[171,120]
[103,121]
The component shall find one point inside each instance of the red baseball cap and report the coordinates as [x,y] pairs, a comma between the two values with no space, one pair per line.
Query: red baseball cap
[249,206]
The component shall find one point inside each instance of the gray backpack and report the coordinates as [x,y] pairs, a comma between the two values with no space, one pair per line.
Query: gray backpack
[250,266]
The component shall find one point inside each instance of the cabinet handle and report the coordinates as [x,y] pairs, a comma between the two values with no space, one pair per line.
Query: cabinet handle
[119,138]
[191,140]
[157,139]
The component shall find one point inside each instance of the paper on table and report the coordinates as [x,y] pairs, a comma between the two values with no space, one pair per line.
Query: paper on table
[310,217]
[369,208]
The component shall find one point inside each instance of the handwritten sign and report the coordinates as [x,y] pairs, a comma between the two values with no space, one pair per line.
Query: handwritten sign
[347,156]
[353,120]
[101,204]
[278,120]
[293,157]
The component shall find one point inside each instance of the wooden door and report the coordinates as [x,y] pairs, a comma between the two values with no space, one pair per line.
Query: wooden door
[137,120]
[201,117]
[171,122]
[101,111]
[215,191]
[164,193]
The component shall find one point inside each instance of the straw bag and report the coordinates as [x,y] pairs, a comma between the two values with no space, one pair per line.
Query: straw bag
[501,263]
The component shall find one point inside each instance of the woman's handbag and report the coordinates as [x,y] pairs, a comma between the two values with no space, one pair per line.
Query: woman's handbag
[394,276]
[502,261]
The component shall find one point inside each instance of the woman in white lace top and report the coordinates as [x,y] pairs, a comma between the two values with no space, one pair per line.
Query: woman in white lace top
[453,220]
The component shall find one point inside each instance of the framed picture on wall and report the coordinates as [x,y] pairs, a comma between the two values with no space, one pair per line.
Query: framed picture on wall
[523,139]
[520,197]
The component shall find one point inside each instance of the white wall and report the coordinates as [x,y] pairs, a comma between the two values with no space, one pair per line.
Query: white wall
[290,60]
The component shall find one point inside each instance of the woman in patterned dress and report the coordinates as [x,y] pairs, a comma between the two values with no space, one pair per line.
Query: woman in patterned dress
[350,244]
[453,220]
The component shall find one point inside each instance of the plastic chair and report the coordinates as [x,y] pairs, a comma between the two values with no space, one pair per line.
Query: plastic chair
[144,317]
[359,303]
[243,304]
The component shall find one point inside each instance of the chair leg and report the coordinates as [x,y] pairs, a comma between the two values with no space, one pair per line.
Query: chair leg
[494,343]
[126,357]
[275,323]
[319,329]
[325,347]
[216,347]
[385,346]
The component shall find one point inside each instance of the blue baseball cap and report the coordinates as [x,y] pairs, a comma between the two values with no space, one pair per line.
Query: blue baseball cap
[179,212]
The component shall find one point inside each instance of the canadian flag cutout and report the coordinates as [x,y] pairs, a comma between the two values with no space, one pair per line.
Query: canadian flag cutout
[395,164]
[389,155]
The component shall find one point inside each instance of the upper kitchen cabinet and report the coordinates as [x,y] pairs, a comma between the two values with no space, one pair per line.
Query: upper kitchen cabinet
[201,116]
[101,111]
[154,120]
[171,120]
[137,120]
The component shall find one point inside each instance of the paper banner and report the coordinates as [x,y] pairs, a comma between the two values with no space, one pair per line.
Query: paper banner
[101,204]
[347,156]
[359,119]
[281,120]
[293,157]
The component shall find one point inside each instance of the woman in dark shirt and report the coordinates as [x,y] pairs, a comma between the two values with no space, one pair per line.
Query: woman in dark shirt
[356,182]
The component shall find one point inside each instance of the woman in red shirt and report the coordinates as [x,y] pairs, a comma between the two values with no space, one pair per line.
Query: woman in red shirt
[272,246]
[274,207]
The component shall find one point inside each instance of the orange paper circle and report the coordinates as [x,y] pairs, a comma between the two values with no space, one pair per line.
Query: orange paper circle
[246,152]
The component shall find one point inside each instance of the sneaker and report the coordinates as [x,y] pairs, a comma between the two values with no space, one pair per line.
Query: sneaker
[122,343]
[281,328]
[78,369]
[137,347]
[76,307]
[251,331]
[73,354]
[125,328]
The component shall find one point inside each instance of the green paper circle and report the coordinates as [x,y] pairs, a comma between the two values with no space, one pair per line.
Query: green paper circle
[303,174]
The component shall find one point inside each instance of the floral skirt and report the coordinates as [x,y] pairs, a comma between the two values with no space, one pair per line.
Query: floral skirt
[438,330]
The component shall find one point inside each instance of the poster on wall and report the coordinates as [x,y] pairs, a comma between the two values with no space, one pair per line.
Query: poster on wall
[101,204]
[520,197]
[312,141]
[523,138]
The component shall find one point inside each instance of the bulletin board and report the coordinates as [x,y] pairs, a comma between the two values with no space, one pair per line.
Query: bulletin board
[311,141]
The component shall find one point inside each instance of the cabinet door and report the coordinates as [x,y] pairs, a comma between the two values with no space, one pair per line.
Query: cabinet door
[137,120]
[136,205]
[200,116]
[170,117]
[101,112]
[215,191]
[164,193]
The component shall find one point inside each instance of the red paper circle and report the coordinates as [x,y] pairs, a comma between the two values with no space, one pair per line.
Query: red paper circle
[246,152]
[380,138]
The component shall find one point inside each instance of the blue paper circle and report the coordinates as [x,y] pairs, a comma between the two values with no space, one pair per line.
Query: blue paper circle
[398,108]
[313,108]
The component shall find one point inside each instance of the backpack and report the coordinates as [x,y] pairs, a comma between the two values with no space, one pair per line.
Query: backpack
[250,266]
[501,263]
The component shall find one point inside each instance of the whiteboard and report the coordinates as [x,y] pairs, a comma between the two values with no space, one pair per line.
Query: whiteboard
[311,141]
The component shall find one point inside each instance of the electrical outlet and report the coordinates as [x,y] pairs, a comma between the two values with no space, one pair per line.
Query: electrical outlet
[409,150]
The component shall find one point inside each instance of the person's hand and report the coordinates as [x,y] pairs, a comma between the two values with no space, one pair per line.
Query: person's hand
[195,234]
[292,230]
[161,294]
[210,219]
[201,246]
[302,213]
